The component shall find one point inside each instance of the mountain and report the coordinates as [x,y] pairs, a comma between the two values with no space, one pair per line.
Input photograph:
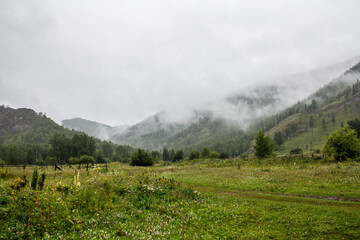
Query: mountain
[306,124]
[23,125]
[150,133]
[229,124]
[92,128]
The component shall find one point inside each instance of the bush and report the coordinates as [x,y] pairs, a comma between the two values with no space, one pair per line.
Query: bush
[214,155]
[343,144]
[223,155]
[63,188]
[205,153]
[194,155]
[42,181]
[141,158]
[86,159]
[296,151]
[34,179]
[3,173]
[18,183]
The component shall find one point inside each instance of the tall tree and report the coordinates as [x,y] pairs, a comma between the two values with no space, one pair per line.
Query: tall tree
[263,145]
[311,122]
[166,155]
[179,155]
[141,158]
[205,153]
[107,149]
[278,138]
[60,147]
[333,117]
[355,124]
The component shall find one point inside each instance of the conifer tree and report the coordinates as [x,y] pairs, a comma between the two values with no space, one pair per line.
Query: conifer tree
[263,146]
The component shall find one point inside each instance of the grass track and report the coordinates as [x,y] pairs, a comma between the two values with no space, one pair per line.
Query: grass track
[313,200]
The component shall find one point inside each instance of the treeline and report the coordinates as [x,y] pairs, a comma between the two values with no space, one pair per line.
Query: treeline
[81,148]
[64,150]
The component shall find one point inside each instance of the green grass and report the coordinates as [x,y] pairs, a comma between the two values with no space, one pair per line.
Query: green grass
[231,201]
[292,177]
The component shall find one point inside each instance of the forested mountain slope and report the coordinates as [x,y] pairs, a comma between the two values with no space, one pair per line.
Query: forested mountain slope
[23,125]
[307,124]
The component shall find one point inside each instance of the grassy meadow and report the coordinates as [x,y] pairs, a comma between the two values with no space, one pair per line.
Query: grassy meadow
[199,199]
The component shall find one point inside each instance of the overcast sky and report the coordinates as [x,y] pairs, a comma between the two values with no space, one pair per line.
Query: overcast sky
[118,62]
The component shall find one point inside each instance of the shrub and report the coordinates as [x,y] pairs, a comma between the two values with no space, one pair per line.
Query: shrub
[296,151]
[214,155]
[205,153]
[194,155]
[141,158]
[41,182]
[223,155]
[63,188]
[34,179]
[343,144]
[3,173]
[18,183]
[86,159]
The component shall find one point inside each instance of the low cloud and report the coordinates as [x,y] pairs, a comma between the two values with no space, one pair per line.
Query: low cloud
[121,61]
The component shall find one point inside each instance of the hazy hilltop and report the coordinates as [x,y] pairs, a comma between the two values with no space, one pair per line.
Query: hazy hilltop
[92,128]
[225,126]
[24,125]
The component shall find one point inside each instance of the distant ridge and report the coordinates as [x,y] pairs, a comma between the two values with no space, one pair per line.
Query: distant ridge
[92,128]
[23,125]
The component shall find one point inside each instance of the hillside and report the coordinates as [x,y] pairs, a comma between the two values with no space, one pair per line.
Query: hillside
[19,126]
[229,125]
[150,133]
[217,134]
[307,124]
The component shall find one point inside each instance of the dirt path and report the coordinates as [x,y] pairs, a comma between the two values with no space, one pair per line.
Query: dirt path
[304,199]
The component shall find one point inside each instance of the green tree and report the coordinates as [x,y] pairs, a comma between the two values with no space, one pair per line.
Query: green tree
[166,155]
[263,145]
[195,154]
[107,149]
[99,157]
[311,121]
[278,138]
[205,153]
[172,155]
[60,147]
[155,154]
[141,158]
[179,155]
[85,159]
[323,122]
[82,144]
[343,144]
[333,120]
[30,156]
[355,124]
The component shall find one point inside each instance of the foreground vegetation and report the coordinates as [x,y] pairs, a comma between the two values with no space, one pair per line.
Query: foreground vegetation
[207,199]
